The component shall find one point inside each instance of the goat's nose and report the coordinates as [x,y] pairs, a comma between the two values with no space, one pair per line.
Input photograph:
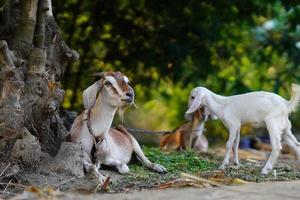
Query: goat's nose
[129,94]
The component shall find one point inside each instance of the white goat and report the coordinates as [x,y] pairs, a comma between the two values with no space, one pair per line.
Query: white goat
[92,127]
[260,109]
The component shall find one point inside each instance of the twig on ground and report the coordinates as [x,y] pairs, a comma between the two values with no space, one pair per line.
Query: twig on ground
[4,170]
[15,184]
[202,180]
[180,183]
[7,186]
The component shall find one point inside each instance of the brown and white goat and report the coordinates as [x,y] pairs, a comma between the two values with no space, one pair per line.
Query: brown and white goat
[189,135]
[92,127]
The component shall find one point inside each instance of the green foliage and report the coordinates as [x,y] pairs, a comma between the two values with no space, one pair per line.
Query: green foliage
[163,107]
[168,47]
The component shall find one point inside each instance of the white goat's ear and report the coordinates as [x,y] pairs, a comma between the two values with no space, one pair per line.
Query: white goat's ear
[90,95]
[195,104]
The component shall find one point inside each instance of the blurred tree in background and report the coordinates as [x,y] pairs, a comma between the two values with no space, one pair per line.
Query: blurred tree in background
[168,47]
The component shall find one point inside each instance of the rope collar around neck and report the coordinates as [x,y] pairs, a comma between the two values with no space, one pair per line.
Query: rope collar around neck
[96,139]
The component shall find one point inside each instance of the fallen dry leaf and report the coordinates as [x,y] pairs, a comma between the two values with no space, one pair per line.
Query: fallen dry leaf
[34,189]
[237,181]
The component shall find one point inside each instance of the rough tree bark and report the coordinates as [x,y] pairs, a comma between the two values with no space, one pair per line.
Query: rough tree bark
[32,59]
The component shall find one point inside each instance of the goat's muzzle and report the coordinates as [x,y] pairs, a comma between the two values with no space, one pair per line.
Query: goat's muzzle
[129,97]
[188,116]
[128,100]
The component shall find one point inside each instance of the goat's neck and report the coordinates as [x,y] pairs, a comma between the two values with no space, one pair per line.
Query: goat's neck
[102,116]
[214,102]
[197,126]
[199,129]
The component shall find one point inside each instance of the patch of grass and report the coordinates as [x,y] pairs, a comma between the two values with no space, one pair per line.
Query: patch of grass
[175,162]
[180,161]
[204,165]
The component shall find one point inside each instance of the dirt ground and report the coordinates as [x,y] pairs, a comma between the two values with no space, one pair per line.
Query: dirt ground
[263,191]
[143,184]
[272,190]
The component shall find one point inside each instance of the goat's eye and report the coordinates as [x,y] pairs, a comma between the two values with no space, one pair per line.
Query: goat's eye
[107,83]
[192,97]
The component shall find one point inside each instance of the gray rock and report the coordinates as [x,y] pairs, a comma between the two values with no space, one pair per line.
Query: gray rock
[68,160]
[27,150]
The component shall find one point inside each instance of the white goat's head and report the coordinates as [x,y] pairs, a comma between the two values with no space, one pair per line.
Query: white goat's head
[114,88]
[195,102]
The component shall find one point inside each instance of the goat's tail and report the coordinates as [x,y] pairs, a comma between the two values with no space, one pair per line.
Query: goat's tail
[295,98]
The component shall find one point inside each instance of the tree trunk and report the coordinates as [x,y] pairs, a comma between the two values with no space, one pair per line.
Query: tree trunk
[32,59]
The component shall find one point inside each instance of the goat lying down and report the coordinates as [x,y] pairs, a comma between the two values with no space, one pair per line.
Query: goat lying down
[260,109]
[92,127]
[118,149]
[188,136]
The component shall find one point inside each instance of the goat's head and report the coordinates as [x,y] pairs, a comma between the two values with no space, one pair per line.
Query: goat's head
[200,114]
[115,90]
[195,101]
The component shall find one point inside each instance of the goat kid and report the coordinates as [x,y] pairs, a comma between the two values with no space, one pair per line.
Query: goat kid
[260,109]
[92,127]
[189,135]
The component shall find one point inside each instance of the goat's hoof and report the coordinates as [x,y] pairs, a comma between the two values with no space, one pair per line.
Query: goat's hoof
[123,169]
[222,167]
[265,172]
[160,169]
[237,165]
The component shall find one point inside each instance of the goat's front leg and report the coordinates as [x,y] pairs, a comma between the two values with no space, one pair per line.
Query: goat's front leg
[139,153]
[233,131]
[98,164]
[189,141]
[236,148]
[93,169]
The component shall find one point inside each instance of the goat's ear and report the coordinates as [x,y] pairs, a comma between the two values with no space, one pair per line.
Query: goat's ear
[90,95]
[195,104]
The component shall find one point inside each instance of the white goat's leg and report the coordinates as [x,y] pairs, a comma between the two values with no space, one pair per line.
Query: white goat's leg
[292,137]
[292,144]
[90,168]
[98,164]
[236,148]
[275,139]
[233,131]
[144,160]
[121,167]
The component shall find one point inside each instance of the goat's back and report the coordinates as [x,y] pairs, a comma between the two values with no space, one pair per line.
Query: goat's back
[171,140]
[76,128]
[254,107]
